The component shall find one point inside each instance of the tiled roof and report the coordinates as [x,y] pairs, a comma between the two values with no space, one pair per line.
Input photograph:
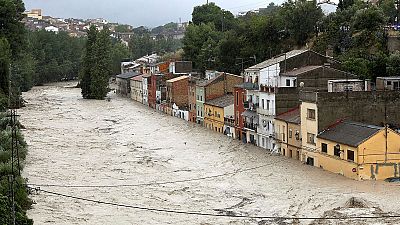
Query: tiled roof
[291,116]
[137,78]
[177,79]
[349,133]
[128,75]
[301,70]
[222,102]
[277,59]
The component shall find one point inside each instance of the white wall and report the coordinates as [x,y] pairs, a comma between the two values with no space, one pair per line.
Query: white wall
[229,111]
[269,75]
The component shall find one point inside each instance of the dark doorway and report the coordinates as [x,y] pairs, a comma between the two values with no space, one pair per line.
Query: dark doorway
[310,161]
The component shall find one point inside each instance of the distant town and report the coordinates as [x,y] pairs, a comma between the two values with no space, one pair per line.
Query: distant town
[36,20]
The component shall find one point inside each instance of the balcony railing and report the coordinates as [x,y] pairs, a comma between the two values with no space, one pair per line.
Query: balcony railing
[268,89]
[250,86]
[251,126]
[251,106]
[266,112]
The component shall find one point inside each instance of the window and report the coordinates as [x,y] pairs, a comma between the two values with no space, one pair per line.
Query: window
[311,114]
[350,155]
[267,104]
[287,83]
[237,98]
[297,135]
[336,150]
[283,134]
[388,82]
[262,104]
[290,133]
[311,138]
[324,148]
[348,88]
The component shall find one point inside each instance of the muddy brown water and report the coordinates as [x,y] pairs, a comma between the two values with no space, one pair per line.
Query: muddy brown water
[120,144]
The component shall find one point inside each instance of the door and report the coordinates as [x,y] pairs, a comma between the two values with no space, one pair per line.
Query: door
[310,161]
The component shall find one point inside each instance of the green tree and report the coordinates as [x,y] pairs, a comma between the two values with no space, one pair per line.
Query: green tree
[210,13]
[101,70]
[88,62]
[119,53]
[11,26]
[4,72]
[393,65]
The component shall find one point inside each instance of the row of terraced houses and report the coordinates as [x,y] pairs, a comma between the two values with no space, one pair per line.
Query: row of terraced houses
[299,104]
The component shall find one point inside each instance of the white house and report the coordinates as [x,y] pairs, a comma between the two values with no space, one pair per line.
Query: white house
[52,29]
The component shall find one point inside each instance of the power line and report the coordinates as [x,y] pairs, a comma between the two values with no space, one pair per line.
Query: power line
[197,213]
[154,183]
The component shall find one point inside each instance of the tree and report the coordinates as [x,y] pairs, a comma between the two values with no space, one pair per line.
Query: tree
[11,26]
[393,65]
[88,62]
[119,53]
[101,69]
[210,13]
[4,73]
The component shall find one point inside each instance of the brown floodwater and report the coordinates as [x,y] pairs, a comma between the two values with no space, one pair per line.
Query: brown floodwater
[112,151]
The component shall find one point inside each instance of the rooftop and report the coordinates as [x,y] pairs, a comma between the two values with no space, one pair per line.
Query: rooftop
[349,133]
[222,102]
[344,80]
[128,75]
[177,79]
[301,70]
[277,59]
[137,78]
[291,116]
[388,78]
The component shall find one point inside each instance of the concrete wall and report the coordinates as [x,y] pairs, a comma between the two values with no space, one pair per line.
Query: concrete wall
[364,107]
[178,92]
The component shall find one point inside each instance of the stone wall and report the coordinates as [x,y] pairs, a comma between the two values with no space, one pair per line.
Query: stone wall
[364,107]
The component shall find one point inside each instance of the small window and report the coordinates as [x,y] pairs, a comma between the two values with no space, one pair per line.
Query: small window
[287,83]
[311,114]
[350,155]
[336,150]
[311,138]
[388,82]
[290,133]
[237,98]
[324,148]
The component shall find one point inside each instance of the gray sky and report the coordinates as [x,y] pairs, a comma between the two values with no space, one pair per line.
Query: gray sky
[149,13]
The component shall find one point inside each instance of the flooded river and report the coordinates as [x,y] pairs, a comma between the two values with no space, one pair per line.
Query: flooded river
[114,151]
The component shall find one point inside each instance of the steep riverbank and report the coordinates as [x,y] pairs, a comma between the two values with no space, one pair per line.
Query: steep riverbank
[112,146]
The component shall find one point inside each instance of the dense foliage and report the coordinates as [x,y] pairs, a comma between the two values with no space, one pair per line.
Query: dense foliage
[157,40]
[356,34]
[97,63]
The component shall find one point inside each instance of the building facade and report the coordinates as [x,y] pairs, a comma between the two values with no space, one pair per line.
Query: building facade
[219,114]
[359,151]
[137,88]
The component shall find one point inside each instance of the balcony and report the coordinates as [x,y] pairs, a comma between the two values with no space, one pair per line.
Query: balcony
[251,106]
[268,89]
[251,126]
[250,86]
[266,112]
[229,122]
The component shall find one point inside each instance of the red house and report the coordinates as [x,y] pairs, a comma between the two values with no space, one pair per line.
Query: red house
[239,95]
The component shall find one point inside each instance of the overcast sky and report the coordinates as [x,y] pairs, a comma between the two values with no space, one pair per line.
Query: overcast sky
[150,13]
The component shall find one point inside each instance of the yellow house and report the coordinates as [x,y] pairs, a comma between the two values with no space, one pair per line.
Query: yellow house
[215,112]
[309,131]
[359,151]
[287,133]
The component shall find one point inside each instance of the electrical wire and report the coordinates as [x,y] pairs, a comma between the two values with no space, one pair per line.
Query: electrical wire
[197,213]
[154,183]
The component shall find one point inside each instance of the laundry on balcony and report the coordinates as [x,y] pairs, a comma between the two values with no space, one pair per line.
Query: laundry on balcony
[250,114]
